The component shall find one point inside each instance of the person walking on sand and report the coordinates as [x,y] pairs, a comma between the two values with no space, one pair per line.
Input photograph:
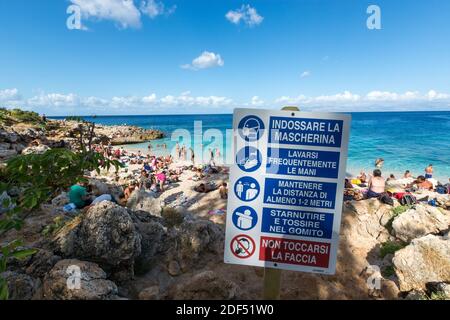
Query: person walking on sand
[429,172]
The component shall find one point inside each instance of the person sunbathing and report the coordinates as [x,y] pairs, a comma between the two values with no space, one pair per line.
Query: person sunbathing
[376,185]
[423,184]
[205,188]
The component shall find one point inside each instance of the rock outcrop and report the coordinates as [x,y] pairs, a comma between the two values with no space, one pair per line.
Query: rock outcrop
[426,259]
[105,234]
[420,221]
[61,282]
[142,201]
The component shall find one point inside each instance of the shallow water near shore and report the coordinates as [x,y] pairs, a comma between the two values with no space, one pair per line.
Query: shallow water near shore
[406,140]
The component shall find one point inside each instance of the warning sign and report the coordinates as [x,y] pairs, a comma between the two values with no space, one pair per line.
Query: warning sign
[287,183]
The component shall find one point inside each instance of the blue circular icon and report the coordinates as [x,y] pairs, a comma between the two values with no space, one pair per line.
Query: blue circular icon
[248,159]
[251,128]
[244,218]
[246,189]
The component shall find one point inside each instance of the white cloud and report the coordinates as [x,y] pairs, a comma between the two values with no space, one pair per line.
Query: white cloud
[433,95]
[392,96]
[372,101]
[257,102]
[186,102]
[346,96]
[205,60]
[305,74]
[7,95]
[246,14]
[154,8]
[123,12]
[54,100]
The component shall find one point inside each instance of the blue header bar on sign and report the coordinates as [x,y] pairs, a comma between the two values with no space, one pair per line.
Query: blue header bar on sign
[308,132]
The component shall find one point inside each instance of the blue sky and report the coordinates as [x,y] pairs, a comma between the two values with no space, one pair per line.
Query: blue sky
[203,56]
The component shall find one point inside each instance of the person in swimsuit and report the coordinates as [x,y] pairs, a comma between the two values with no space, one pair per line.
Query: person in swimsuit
[376,185]
[429,172]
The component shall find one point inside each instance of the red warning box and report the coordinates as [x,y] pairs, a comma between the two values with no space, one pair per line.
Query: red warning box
[298,252]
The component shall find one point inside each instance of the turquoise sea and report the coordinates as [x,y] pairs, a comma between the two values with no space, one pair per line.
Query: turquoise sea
[406,140]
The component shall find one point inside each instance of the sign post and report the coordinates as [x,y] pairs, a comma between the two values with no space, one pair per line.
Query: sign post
[272,277]
[284,209]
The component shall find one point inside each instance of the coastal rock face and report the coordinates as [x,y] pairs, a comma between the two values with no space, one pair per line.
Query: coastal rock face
[61,283]
[104,234]
[425,260]
[419,222]
[127,134]
[205,285]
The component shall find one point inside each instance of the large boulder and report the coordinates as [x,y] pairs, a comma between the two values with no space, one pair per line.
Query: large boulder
[105,234]
[425,260]
[196,241]
[143,201]
[61,284]
[420,221]
[153,240]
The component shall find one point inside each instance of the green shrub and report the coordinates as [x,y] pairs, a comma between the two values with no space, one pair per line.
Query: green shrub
[388,271]
[390,247]
[395,213]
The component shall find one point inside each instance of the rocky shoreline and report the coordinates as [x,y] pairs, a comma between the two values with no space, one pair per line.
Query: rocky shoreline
[17,137]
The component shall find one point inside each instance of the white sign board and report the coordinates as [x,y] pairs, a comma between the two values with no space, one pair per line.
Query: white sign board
[286,189]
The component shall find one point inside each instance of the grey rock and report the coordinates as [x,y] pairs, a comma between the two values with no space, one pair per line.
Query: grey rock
[61,284]
[425,260]
[419,222]
[104,234]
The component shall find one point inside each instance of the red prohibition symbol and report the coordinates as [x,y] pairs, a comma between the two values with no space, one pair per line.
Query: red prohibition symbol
[242,246]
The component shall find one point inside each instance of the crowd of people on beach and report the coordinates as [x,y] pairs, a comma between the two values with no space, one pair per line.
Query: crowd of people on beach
[152,174]
[374,185]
